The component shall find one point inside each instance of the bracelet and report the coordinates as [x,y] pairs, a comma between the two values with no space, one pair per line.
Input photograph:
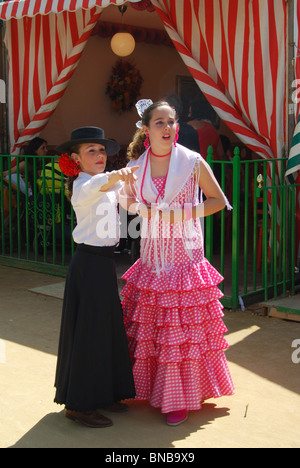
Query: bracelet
[137,208]
[188,212]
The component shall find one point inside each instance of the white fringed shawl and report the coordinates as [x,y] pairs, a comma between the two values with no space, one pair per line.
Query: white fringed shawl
[183,163]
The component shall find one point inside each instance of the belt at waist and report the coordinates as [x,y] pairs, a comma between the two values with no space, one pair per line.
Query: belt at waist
[107,251]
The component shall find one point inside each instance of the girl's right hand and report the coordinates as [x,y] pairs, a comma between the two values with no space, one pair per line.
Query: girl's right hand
[146,211]
[126,174]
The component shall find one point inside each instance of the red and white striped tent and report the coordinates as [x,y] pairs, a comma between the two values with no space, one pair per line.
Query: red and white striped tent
[235,50]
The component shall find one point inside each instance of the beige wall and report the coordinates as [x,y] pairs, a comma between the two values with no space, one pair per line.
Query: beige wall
[85,101]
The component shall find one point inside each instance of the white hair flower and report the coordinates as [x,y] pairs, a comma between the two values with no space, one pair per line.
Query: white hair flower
[141,106]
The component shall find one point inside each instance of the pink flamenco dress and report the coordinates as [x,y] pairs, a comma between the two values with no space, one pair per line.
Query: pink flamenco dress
[173,316]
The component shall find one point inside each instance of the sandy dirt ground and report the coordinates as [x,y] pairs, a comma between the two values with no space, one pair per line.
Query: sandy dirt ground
[264,412]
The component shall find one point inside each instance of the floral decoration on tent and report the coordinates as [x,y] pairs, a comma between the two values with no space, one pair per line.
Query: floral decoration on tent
[124,86]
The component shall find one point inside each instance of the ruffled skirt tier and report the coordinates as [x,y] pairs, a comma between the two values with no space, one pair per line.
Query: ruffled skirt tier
[175,333]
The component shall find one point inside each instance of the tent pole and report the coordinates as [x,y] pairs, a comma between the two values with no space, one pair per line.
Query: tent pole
[290,73]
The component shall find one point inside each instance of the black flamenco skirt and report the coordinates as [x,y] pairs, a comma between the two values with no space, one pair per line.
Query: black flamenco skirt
[93,365]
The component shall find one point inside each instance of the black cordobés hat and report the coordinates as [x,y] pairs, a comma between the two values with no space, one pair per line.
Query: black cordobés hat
[89,135]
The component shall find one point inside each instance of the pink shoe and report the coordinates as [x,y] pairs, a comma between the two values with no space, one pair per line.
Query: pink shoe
[177,417]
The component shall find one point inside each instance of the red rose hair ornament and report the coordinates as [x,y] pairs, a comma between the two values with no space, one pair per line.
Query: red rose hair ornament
[68,166]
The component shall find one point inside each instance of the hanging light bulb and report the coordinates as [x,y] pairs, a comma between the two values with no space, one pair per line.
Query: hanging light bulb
[122,43]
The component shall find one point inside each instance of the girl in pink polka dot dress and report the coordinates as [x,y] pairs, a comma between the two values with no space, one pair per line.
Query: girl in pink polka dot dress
[172,313]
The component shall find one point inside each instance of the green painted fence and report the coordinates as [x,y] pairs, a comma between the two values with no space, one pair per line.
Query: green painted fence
[36,222]
[253,246]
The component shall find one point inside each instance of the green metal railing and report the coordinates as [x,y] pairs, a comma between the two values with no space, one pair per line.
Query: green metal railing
[253,246]
[257,240]
[36,219]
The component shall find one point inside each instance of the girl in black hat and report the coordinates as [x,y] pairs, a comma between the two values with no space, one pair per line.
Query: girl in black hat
[93,368]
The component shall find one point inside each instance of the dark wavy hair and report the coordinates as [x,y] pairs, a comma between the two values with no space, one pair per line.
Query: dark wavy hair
[33,146]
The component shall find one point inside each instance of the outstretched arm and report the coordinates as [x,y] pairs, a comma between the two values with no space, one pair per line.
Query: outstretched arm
[124,175]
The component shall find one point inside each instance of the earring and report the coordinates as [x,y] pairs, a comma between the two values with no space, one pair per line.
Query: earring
[147,141]
[176,137]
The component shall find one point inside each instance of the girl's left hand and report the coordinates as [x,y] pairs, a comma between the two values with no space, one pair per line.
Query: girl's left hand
[175,215]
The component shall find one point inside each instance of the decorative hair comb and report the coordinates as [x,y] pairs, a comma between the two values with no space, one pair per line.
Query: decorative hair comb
[68,166]
[141,106]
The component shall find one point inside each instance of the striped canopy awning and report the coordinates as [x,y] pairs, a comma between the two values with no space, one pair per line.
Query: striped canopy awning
[234,49]
[44,40]
[20,8]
